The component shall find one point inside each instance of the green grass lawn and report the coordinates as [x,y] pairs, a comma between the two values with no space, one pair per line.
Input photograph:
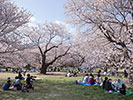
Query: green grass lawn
[60,88]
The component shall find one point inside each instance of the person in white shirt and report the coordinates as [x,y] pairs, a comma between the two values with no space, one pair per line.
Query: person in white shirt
[85,78]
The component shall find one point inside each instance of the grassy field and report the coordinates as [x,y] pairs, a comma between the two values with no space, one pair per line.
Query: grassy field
[58,88]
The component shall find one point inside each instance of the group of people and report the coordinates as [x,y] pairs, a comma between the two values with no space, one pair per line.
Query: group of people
[73,74]
[110,85]
[115,85]
[90,79]
[16,84]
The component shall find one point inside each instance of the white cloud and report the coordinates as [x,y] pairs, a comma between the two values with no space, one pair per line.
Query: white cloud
[33,22]
[68,26]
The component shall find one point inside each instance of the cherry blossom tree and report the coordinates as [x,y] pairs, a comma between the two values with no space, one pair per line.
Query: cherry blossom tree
[112,19]
[11,39]
[52,40]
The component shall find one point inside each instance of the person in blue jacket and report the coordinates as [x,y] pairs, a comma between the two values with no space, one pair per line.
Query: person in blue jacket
[7,85]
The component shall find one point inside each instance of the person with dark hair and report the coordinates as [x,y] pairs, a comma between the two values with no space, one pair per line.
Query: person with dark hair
[91,75]
[108,85]
[7,85]
[125,73]
[105,80]
[29,82]
[17,84]
[75,74]
[20,76]
[68,74]
[99,79]
[91,80]
[85,78]
[123,89]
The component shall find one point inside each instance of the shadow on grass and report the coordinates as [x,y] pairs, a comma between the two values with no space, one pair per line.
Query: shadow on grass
[61,89]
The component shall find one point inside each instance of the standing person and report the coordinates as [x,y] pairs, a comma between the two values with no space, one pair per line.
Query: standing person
[125,73]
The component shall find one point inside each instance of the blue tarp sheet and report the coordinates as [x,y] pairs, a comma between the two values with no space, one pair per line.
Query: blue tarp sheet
[0,70]
[87,84]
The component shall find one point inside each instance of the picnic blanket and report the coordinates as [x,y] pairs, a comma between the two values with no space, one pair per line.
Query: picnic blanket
[127,92]
[87,84]
[1,70]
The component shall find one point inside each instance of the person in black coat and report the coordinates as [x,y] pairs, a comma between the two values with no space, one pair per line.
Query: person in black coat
[123,89]
[108,85]
[105,80]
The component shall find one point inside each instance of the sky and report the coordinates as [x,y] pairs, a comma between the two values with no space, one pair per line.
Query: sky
[44,10]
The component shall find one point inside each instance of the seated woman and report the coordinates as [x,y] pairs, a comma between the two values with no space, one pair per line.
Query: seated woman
[7,85]
[108,85]
[85,78]
[103,84]
[91,80]
[17,84]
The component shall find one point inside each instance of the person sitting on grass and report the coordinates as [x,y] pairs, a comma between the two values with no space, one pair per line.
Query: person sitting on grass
[117,84]
[103,84]
[123,89]
[91,80]
[69,74]
[91,75]
[108,85]
[75,74]
[85,78]
[17,84]
[7,85]
[29,82]
[99,79]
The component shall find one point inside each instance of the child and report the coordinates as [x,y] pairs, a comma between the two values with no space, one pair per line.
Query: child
[7,85]
[29,82]
[17,84]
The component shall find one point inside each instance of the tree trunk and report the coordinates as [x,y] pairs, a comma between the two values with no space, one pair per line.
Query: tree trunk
[44,69]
